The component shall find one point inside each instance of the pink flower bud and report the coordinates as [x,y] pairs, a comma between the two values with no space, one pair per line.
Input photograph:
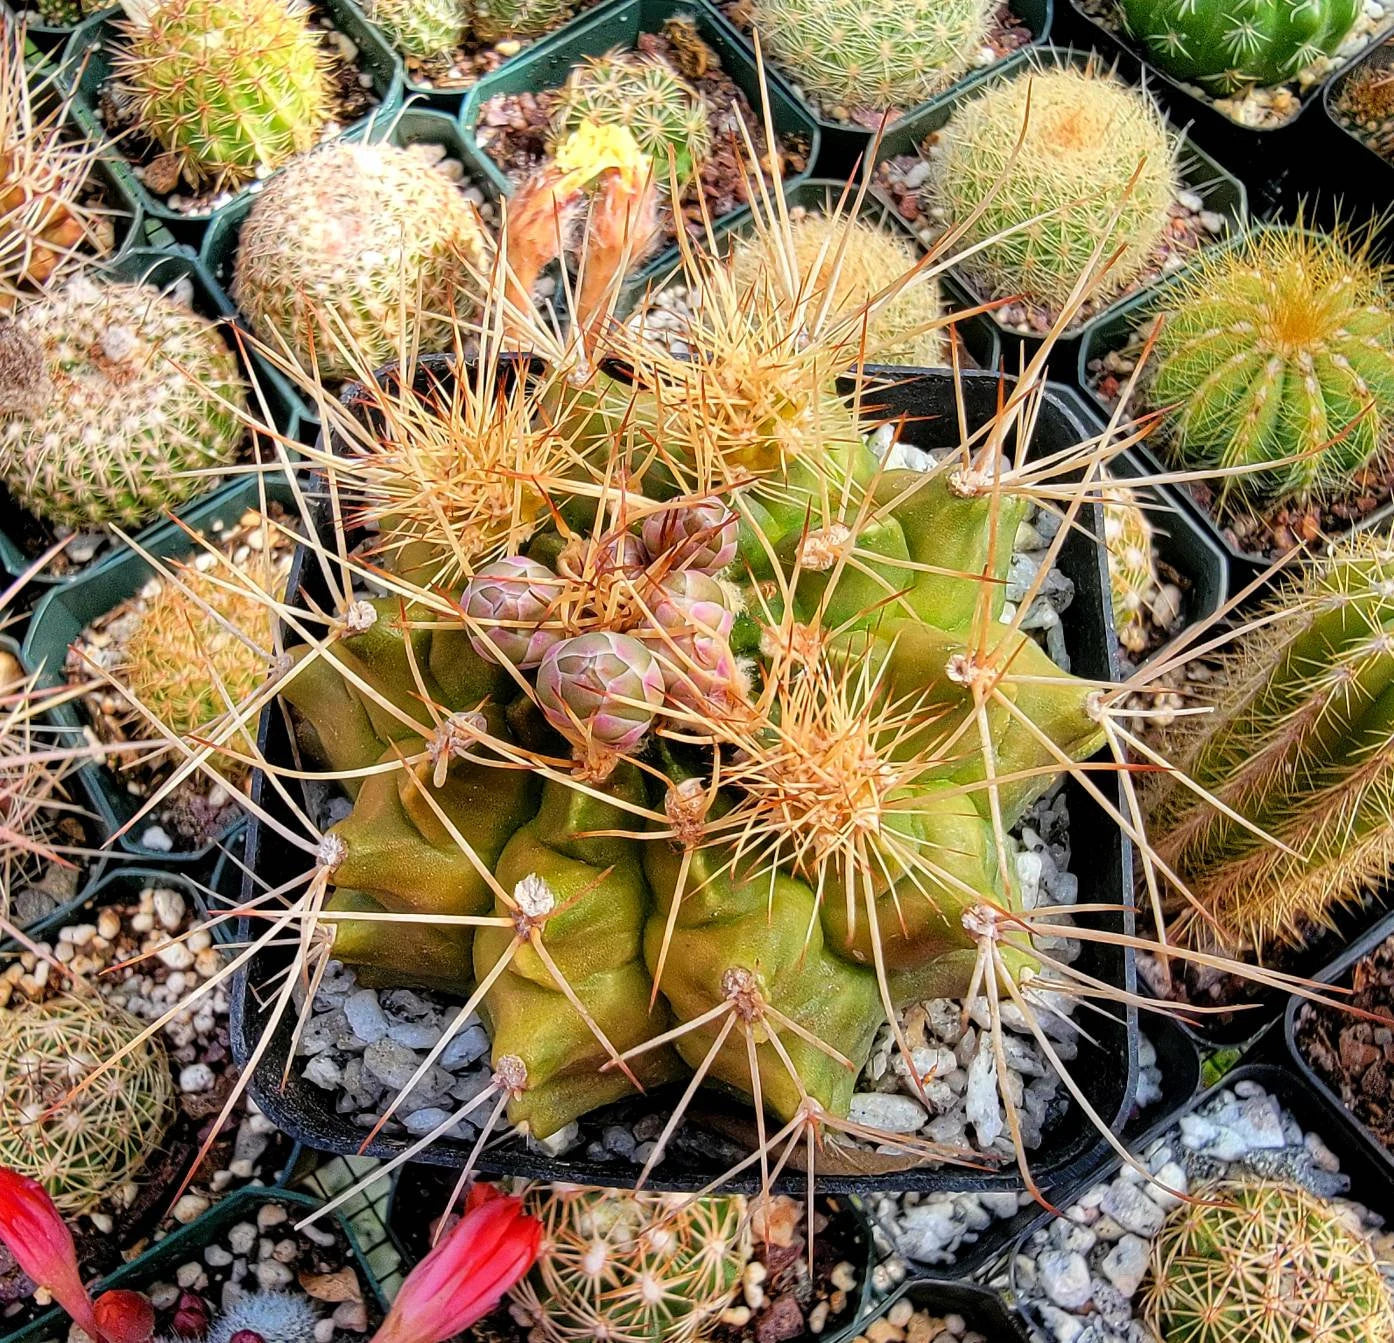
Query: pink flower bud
[125,1317]
[34,1233]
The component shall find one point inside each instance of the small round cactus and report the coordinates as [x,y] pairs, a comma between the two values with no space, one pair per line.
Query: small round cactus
[80,1142]
[495,19]
[274,1317]
[1131,571]
[1228,45]
[422,28]
[859,261]
[227,87]
[1281,352]
[346,244]
[108,394]
[873,55]
[637,1267]
[1075,156]
[657,106]
[601,688]
[1265,1262]
[508,601]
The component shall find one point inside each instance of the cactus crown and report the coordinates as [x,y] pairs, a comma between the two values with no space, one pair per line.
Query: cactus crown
[80,1142]
[274,1317]
[226,86]
[495,19]
[632,1267]
[654,103]
[1077,143]
[1278,356]
[877,54]
[423,28]
[1367,94]
[1265,1262]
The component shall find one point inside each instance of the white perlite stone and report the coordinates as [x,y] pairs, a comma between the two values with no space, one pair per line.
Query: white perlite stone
[1065,1278]
[889,1112]
[1125,1264]
[983,1109]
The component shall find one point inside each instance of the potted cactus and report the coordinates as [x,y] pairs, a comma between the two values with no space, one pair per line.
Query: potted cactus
[1357,102]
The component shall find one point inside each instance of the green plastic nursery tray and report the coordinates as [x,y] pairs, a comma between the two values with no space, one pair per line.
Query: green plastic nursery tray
[87,58]
[67,610]
[617,26]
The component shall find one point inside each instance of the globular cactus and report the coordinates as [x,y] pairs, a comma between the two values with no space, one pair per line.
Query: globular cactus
[1278,356]
[846,264]
[63,13]
[1131,570]
[491,20]
[1075,155]
[274,1317]
[422,28]
[1228,45]
[1265,1262]
[227,87]
[872,55]
[80,1142]
[110,394]
[637,1267]
[1301,746]
[349,245]
[1366,96]
[656,105]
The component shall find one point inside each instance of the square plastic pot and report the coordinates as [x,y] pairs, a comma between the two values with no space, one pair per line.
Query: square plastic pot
[87,58]
[67,610]
[1219,190]
[410,126]
[20,537]
[159,1262]
[977,334]
[929,403]
[617,26]
[1279,165]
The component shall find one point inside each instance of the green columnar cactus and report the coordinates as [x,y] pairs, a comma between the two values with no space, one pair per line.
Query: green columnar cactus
[1301,746]
[1265,1262]
[227,87]
[647,1268]
[350,243]
[877,55]
[1228,45]
[491,20]
[80,1142]
[1089,170]
[109,396]
[1131,571]
[423,28]
[1277,358]
[657,106]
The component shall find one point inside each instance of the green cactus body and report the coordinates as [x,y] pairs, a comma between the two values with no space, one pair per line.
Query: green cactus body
[107,394]
[877,55]
[1277,359]
[228,87]
[349,242]
[1300,746]
[656,105]
[1131,571]
[422,28]
[1094,157]
[1228,45]
[495,19]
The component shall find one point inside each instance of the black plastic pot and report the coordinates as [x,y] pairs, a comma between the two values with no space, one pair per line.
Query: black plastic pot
[158,1264]
[1370,1182]
[413,125]
[982,1309]
[928,401]
[617,26]
[1219,190]
[87,57]
[977,334]
[1279,165]
[1339,973]
[68,609]
[22,537]
[844,146]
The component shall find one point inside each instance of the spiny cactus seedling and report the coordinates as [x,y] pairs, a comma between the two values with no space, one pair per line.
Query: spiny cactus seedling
[423,28]
[273,1317]
[655,104]
[64,13]
[876,54]
[1078,145]
[226,87]
[110,396]
[1131,571]
[491,20]
[80,1136]
[1260,1261]
[1300,748]
[845,265]
[1228,45]
[1367,94]
[1277,361]
[632,1267]
[349,245]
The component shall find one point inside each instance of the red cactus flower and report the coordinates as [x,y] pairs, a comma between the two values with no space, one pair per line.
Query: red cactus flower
[35,1234]
[467,1274]
[125,1317]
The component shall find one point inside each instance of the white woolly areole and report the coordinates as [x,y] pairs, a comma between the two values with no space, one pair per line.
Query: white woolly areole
[360,616]
[534,897]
